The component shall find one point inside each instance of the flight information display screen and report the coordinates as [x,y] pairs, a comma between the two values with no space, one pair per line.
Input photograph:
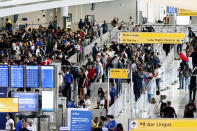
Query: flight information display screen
[32,76]
[47,101]
[27,101]
[16,76]
[47,76]
[3,76]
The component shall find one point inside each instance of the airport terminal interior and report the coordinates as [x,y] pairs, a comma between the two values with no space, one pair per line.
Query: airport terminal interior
[98,65]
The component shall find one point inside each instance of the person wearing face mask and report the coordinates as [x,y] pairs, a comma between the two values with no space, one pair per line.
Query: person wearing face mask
[31,125]
[10,122]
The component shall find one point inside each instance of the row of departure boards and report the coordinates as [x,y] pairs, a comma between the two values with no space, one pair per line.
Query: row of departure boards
[28,76]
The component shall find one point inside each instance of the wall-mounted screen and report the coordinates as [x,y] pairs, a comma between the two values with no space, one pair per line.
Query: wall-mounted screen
[16,76]
[47,101]
[3,76]
[32,77]
[27,101]
[47,76]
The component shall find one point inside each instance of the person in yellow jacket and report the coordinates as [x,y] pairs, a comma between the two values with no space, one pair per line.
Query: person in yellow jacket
[94,123]
[9,25]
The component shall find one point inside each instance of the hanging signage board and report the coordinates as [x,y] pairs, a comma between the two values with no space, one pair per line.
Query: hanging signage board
[183,12]
[150,38]
[119,73]
[162,124]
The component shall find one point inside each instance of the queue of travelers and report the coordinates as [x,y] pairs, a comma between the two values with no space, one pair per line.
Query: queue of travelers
[43,46]
[106,124]
[24,124]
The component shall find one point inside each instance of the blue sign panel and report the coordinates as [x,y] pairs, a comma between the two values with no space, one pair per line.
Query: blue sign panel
[47,76]
[27,101]
[3,76]
[16,76]
[32,77]
[170,9]
[80,120]
[3,94]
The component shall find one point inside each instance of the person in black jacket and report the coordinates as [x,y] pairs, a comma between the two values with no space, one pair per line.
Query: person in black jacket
[192,87]
[189,111]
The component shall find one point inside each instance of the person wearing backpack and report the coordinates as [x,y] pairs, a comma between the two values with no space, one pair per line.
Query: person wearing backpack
[163,104]
[68,80]
[186,74]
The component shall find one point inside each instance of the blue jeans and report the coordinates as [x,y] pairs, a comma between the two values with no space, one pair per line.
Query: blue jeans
[181,81]
[158,83]
[186,83]
[150,97]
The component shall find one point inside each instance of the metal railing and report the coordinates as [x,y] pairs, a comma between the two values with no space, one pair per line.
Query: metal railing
[87,50]
[140,109]
[125,99]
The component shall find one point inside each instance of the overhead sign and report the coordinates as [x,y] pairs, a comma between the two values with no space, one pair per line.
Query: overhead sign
[47,76]
[79,120]
[47,101]
[183,12]
[9,104]
[162,124]
[27,101]
[151,38]
[4,76]
[32,77]
[119,73]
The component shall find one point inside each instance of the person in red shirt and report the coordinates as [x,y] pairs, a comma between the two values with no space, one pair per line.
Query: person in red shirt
[90,76]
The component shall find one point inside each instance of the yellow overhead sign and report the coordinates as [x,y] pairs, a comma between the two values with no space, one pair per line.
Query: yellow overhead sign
[163,125]
[119,73]
[9,104]
[183,12]
[151,38]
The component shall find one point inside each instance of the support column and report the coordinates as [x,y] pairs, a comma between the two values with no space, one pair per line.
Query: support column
[138,11]
[50,14]
[174,19]
[61,13]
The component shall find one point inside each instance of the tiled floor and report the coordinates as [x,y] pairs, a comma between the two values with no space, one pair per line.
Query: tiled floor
[178,97]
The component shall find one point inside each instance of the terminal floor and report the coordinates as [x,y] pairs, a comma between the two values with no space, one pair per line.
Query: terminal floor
[178,97]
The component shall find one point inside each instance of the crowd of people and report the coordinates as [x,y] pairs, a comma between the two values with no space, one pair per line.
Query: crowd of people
[46,44]
[43,46]
[106,124]
[23,124]
[160,107]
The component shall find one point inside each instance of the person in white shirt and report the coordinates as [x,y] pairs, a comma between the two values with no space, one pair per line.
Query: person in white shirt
[31,126]
[102,103]
[158,76]
[100,74]
[87,102]
[10,122]
[153,110]
[37,51]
